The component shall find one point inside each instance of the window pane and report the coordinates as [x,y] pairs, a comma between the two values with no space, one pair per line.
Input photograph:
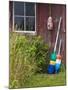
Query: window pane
[30,9]
[30,24]
[19,23]
[18,8]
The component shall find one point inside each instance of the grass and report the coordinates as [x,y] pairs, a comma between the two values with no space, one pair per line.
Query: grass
[46,80]
[26,59]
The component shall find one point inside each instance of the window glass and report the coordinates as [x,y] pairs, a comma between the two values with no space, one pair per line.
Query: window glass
[30,24]
[30,9]
[19,23]
[18,8]
[24,16]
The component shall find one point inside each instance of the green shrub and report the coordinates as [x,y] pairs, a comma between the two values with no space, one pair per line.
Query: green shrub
[28,55]
[21,66]
[42,55]
[62,68]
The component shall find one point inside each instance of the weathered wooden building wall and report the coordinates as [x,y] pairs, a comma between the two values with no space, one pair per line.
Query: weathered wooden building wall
[42,13]
[57,11]
[10,15]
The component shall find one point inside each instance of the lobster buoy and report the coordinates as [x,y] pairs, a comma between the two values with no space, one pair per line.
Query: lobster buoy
[49,23]
[59,57]
[58,63]
[51,69]
[52,62]
[53,56]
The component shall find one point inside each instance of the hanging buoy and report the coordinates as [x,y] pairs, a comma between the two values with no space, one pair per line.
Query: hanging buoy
[49,23]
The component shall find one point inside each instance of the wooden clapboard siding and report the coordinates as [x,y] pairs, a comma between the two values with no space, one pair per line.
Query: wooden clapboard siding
[10,15]
[50,36]
[57,11]
[42,15]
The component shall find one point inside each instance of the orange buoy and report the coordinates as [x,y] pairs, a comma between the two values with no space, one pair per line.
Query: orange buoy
[59,57]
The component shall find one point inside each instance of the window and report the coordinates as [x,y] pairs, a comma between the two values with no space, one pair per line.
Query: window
[24,16]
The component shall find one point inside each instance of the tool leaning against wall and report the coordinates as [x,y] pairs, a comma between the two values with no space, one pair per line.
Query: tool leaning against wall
[53,57]
[58,59]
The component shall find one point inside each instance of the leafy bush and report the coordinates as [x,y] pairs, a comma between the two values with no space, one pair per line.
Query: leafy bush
[62,68]
[42,55]
[28,55]
[21,66]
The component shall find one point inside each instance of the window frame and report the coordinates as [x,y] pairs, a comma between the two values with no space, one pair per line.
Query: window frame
[24,31]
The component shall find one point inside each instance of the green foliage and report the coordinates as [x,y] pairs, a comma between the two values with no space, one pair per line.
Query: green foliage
[28,55]
[62,68]
[42,55]
[46,80]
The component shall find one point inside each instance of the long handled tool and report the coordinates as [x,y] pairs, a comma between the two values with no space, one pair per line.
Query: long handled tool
[57,34]
[51,67]
[58,60]
[53,55]
[59,47]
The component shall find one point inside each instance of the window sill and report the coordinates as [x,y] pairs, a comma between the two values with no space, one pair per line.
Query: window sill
[27,32]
